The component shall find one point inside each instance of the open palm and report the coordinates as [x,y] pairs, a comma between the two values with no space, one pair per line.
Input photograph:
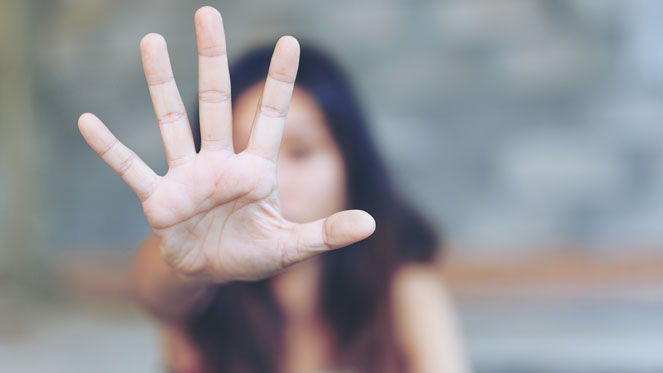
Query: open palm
[217,213]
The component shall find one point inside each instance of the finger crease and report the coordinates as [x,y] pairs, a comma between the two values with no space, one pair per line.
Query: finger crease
[212,52]
[126,164]
[281,77]
[170,117]
[174,162]
[271,111]
[325,237]
[103,152]
[154,81]
[214,96]
[151,189]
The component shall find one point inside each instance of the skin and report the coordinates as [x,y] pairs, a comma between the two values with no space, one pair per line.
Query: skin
[226,214]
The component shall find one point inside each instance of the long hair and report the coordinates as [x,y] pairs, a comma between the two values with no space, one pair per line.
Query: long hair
[241,329]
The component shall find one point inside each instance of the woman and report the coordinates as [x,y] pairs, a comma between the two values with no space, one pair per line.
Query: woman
[232,270]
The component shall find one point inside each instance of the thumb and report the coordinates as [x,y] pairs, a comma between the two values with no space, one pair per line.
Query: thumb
[333,232]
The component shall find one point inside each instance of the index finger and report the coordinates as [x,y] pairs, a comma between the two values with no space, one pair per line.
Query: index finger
[272,109]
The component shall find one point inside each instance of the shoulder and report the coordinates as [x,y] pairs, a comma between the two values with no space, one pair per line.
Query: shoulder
[416,278]
[425,319]
[417,289]
[414,275]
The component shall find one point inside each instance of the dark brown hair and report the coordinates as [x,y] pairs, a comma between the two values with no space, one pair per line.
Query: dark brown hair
[241,329]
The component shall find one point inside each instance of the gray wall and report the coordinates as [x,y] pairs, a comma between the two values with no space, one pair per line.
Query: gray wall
[515,125]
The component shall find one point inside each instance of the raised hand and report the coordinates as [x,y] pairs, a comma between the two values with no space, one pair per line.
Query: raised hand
[217,213]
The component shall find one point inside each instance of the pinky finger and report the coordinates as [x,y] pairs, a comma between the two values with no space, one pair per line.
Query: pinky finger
[139,176]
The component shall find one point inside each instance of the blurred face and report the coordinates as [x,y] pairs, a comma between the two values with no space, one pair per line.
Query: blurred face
[311,171]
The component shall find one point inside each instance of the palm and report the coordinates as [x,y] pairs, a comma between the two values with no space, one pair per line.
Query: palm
[217,212]
[215,226]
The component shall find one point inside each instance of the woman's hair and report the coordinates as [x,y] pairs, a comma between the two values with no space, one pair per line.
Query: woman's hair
[241,329]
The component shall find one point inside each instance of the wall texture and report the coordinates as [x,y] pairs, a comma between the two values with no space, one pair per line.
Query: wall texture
[516,125]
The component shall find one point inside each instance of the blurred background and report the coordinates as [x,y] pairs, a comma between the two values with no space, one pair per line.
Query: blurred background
[530,131]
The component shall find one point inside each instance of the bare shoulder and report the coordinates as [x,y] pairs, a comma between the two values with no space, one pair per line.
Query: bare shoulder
[419,290]
[417,278]
[418,283]
[425,320]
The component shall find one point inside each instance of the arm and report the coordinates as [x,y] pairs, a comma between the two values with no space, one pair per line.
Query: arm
[426,322]
[160,289]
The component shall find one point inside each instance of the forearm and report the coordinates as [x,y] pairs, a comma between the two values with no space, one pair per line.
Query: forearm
[160,290]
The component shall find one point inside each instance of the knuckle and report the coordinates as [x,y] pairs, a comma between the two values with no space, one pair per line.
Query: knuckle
[103,152]
[327,234]
[170,117]
[214,96]
[156,80]
[212,51]
[281,76]
[271,111]
[126,164]
[289,254]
